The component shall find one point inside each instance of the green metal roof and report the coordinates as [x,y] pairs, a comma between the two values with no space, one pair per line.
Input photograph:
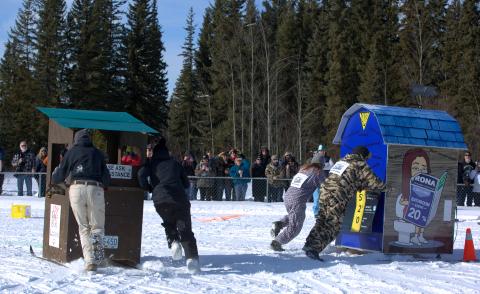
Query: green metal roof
[99,120]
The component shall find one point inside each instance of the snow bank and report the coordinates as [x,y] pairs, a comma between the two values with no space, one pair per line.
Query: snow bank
[235,258]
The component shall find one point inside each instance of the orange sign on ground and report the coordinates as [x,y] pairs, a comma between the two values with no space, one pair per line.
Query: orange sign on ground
[218,218]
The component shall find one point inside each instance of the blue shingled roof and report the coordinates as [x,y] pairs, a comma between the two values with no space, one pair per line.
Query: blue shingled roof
[99,120]
[410,126]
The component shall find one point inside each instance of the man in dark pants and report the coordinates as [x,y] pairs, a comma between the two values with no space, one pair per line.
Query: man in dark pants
[89,176]
[24,162]
[465,167]
[168,182]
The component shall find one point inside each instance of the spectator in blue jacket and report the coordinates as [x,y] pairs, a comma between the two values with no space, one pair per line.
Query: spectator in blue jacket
[237,172]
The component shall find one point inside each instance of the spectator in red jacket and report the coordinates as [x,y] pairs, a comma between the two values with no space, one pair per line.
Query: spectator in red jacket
[131,158]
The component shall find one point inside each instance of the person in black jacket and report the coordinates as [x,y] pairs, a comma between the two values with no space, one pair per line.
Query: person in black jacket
[88,175]
[24,162]
[463,177]
[259,186]
[168,181]
[189,164]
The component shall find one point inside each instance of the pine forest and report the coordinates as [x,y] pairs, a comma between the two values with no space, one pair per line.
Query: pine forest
[279,73]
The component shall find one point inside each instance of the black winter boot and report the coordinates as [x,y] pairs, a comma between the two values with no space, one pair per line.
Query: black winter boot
[276,246]
[276,228]
[190,249]
[311,253]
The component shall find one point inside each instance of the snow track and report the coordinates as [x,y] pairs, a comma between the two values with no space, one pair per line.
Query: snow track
[235,258]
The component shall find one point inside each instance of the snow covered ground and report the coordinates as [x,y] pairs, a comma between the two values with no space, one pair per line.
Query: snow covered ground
[235,258]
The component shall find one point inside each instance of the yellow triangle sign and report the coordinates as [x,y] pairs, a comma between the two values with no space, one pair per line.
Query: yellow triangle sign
[364,119]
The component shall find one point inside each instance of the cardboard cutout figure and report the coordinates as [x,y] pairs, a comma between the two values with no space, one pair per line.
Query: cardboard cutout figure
[417,204]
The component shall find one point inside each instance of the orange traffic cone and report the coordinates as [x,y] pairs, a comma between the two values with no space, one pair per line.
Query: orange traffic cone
[469,249]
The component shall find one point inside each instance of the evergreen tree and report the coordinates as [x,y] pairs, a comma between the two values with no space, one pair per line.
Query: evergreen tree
[226,70]
[93,37]
[19,89]
[286,66]
[254,77]
[381,74]
[417,41]
[51,44]
[146,82]
[183,116]
[203,58]
[24,31]
[341,87]
[452,55]
[468,100]
[77,39]
[437,11]
[315,70]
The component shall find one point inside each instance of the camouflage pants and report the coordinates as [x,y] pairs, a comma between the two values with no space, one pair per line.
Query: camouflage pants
[327,224]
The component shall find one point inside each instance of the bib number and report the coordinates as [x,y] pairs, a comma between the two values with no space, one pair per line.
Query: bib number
[359,210]
[339,167]
[298,180]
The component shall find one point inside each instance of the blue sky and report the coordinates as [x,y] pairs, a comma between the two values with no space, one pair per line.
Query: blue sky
[172,16]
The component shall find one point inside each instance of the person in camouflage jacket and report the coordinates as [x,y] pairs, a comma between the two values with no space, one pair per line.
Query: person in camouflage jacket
[346,177]
[275,174]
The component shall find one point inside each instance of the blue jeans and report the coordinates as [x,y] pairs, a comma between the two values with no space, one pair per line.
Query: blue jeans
[228,190]
[316,205]
[240,191]
[192,190]
[28,182]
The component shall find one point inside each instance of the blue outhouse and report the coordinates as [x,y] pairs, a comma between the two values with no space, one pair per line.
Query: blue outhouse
[415,152]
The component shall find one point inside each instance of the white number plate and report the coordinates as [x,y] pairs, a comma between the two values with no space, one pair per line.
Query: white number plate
[110,242]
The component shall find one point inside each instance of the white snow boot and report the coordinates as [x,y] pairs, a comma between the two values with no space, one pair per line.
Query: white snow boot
[193,265]
[98,249]
[176,250]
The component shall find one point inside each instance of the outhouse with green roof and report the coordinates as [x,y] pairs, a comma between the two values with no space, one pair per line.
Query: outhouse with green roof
[113,133]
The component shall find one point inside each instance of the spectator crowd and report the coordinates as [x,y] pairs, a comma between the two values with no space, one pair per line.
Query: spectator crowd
[27,166]
[224,176]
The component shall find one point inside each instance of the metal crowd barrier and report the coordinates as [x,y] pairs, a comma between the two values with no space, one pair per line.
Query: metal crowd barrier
[23,184]
[202,188]
[236,189]
[466,196]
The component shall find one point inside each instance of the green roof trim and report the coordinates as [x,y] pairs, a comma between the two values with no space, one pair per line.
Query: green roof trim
[99,120]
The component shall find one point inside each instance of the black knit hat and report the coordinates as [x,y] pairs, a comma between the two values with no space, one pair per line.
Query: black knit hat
[361,150]
[160,147]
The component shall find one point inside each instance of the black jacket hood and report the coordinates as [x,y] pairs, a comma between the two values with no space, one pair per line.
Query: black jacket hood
[82,138]
[160,151]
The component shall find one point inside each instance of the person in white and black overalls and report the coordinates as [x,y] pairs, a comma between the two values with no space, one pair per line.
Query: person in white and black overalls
[89,176]
[301,188]
[168,181]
